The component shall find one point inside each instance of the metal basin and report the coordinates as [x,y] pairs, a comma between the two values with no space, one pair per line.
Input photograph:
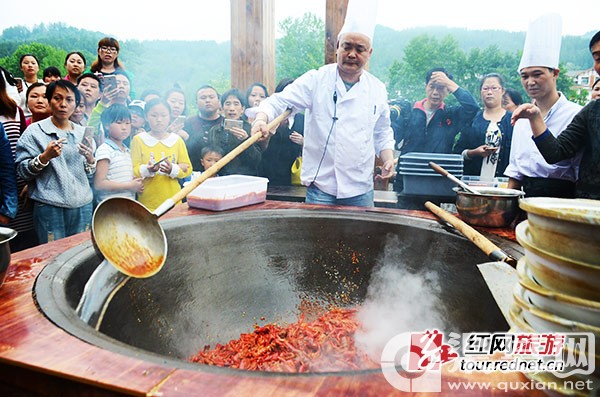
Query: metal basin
[6,235]
[493,207]
[227,272]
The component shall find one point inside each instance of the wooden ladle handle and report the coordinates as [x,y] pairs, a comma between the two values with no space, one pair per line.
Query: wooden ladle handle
[212,170]
[490,249]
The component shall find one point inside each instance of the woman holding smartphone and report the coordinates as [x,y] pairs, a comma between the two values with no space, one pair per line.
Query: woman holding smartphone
[234,131]
[56,161]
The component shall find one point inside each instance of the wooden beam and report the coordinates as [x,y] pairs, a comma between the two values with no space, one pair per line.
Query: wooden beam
[252,43]
[334,20]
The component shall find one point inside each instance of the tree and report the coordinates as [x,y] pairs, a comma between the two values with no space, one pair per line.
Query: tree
[302,46]
[46,55]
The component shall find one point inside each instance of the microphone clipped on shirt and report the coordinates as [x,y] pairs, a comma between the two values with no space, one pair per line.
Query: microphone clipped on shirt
[334,118]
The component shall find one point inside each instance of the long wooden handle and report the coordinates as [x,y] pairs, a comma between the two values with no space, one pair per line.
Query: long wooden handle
[440,170]
[488,248]
[194,183]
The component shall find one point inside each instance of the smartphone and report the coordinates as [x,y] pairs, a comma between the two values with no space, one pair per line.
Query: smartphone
[161,160]
[109,82]
[88,135]
[229,124]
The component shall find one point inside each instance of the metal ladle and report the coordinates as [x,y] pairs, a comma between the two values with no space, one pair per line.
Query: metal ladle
[129,236]
[440,170]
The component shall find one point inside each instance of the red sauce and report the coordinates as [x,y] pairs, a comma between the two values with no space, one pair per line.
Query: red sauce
[22,270]
[124,252]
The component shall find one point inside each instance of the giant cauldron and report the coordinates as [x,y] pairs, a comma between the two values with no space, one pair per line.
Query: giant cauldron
[224,273]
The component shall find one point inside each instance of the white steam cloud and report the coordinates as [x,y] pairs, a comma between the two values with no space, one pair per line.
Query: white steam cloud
[398,300]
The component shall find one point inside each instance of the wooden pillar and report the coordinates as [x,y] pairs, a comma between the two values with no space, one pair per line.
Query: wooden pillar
[252,43]
[334,20]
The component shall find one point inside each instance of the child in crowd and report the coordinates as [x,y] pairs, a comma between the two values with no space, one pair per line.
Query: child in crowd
[158,156]
[114,171]
[138,119]
[50,74]
[210,155]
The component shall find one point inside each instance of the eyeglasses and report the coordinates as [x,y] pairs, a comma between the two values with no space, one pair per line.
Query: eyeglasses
[108,49]
[492,88]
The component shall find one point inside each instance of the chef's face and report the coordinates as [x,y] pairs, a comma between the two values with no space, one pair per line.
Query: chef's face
[539,81]
[353,53]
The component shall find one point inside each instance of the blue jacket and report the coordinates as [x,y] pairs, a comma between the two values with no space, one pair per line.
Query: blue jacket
[8,178]
[413,134]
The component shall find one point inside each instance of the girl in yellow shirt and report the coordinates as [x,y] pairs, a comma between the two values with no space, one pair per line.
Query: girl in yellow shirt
[159,156]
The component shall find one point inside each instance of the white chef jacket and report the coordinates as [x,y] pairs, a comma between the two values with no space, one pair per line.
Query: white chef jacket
[525,158]
[361,130]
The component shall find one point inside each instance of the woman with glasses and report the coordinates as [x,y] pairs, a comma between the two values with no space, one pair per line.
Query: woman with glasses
[485,144]
[108,62]
[108,57]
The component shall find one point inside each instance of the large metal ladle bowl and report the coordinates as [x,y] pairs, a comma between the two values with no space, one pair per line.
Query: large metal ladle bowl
[129,236]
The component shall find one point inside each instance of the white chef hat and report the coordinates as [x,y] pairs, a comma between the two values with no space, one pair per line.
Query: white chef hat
[542,43]
[360,18]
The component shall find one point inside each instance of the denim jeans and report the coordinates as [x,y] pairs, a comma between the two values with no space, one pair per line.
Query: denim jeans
[53,223]
[316,196]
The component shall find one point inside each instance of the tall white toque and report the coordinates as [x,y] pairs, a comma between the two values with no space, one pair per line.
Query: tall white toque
[360,18]
[542,43]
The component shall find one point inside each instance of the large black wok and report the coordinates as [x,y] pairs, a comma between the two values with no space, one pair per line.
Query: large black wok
[227,272]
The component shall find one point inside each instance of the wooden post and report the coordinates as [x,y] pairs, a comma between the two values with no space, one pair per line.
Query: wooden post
[252,43]
[334,20]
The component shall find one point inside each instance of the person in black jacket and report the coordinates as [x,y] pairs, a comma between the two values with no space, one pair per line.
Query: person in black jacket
[283,147]
[429,126]
[232,132]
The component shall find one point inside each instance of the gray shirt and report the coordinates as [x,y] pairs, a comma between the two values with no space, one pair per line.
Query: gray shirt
[64,182]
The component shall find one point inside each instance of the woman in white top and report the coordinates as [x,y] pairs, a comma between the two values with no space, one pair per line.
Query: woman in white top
[30,67]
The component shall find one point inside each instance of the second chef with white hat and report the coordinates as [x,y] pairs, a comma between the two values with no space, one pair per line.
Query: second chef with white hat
[539,72]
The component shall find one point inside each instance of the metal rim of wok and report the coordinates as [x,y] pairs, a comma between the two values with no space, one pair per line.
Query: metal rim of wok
[50,295]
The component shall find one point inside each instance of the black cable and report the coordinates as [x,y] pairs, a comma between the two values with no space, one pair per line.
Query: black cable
[334,119]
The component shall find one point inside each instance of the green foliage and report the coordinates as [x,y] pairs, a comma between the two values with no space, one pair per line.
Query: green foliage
[46,55]
[301,47]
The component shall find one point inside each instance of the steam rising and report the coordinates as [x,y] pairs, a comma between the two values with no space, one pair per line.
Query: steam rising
[399,299]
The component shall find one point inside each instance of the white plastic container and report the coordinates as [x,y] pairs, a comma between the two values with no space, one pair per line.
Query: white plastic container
[230,191]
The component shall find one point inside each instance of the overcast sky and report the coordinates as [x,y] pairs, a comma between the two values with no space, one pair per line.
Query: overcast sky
[209,19]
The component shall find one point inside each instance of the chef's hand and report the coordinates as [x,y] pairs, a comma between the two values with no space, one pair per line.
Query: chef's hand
[259,126]
[387,170]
